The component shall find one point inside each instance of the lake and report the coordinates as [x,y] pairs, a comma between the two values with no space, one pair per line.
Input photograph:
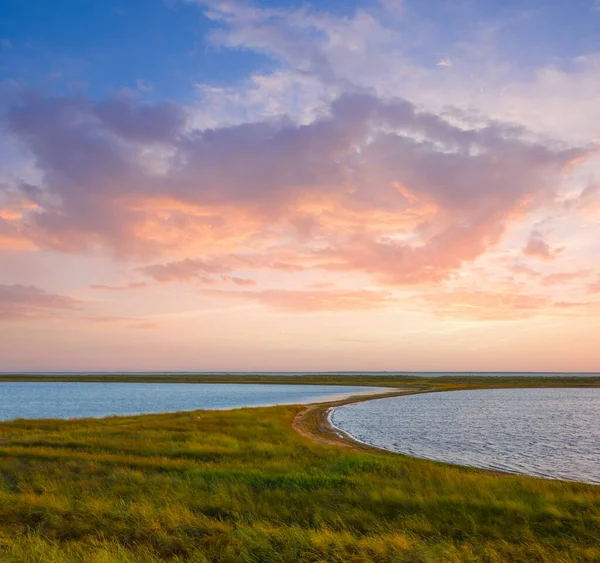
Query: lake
[78,400]
[550,433]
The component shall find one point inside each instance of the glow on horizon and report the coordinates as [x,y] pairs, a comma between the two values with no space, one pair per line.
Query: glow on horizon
[306,189]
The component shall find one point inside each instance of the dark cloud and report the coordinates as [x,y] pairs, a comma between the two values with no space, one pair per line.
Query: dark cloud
[142,122]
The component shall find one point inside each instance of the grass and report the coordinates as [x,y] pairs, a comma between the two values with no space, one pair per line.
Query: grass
[442,383]
[243,486]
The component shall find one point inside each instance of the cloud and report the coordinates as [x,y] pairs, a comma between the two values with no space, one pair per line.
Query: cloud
[594,287]
[242,281]
[307,301]
[126,287]
[523,269]
[395,8]
[22,302]
[537,247]
[184,270]
[130,322]
[372,185]
[446,62]
[564,277]
[13,207]
[372,50]
[133,120]
[505,302]
[587,201]
[27,301]
[480,305]
[144,85]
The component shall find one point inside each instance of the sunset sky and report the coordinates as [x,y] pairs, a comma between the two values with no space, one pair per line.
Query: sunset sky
[342,185]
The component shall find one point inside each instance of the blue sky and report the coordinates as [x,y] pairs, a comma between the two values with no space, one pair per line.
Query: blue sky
[101,47]
[164,45]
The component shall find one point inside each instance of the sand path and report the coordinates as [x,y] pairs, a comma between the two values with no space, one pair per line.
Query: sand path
[312,422]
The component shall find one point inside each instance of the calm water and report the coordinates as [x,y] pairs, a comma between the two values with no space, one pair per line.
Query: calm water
[77,400]
[552,433]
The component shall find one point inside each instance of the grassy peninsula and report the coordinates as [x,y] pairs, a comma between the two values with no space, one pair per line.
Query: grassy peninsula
[245,486]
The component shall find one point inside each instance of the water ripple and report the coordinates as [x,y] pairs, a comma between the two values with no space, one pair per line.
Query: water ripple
[77,400]
[550,433]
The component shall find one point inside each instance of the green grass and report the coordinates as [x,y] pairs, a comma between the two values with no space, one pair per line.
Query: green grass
[243,486]
[443,383]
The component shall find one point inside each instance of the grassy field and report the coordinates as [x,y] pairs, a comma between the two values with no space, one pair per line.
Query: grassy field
[441,383]
[244,486]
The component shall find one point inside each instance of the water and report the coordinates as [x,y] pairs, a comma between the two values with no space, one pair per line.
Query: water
[551,433]
[78,400]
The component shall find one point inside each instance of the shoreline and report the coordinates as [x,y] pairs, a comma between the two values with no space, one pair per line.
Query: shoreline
[326,432]
[313,422]
[342,397]
[245,484]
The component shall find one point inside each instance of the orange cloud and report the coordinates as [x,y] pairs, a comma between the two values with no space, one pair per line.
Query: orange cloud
[479,305]
[11,237]
[185,270]
[130,322]
[372,185]
[126,287]
[310,301]
[564,277]
[27,301]
[242,281]
[595,286]
[523,269]
[503,303]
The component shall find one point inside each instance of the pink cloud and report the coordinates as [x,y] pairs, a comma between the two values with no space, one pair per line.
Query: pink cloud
[594,287]
[26,301]
[483,305]
[537,247]
[126,287]
[13,206]
[130,322]
[374,186]
[243,281]
[184,270]
[506,302]
[21,302]
[523,269]
[564,277]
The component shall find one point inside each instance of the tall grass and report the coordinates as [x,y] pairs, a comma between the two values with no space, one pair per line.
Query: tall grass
[243,486]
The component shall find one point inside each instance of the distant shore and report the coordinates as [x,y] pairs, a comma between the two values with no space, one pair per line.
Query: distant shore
[445,382]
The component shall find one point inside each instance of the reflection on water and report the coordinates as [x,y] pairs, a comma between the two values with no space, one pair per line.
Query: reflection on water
[552,433]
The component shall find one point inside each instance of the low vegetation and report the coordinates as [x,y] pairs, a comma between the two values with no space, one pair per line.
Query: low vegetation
[442,383]
[244,486]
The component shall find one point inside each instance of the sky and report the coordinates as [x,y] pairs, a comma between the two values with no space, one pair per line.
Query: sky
[292,186]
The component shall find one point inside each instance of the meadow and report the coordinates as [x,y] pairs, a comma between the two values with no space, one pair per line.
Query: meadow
[245,486]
